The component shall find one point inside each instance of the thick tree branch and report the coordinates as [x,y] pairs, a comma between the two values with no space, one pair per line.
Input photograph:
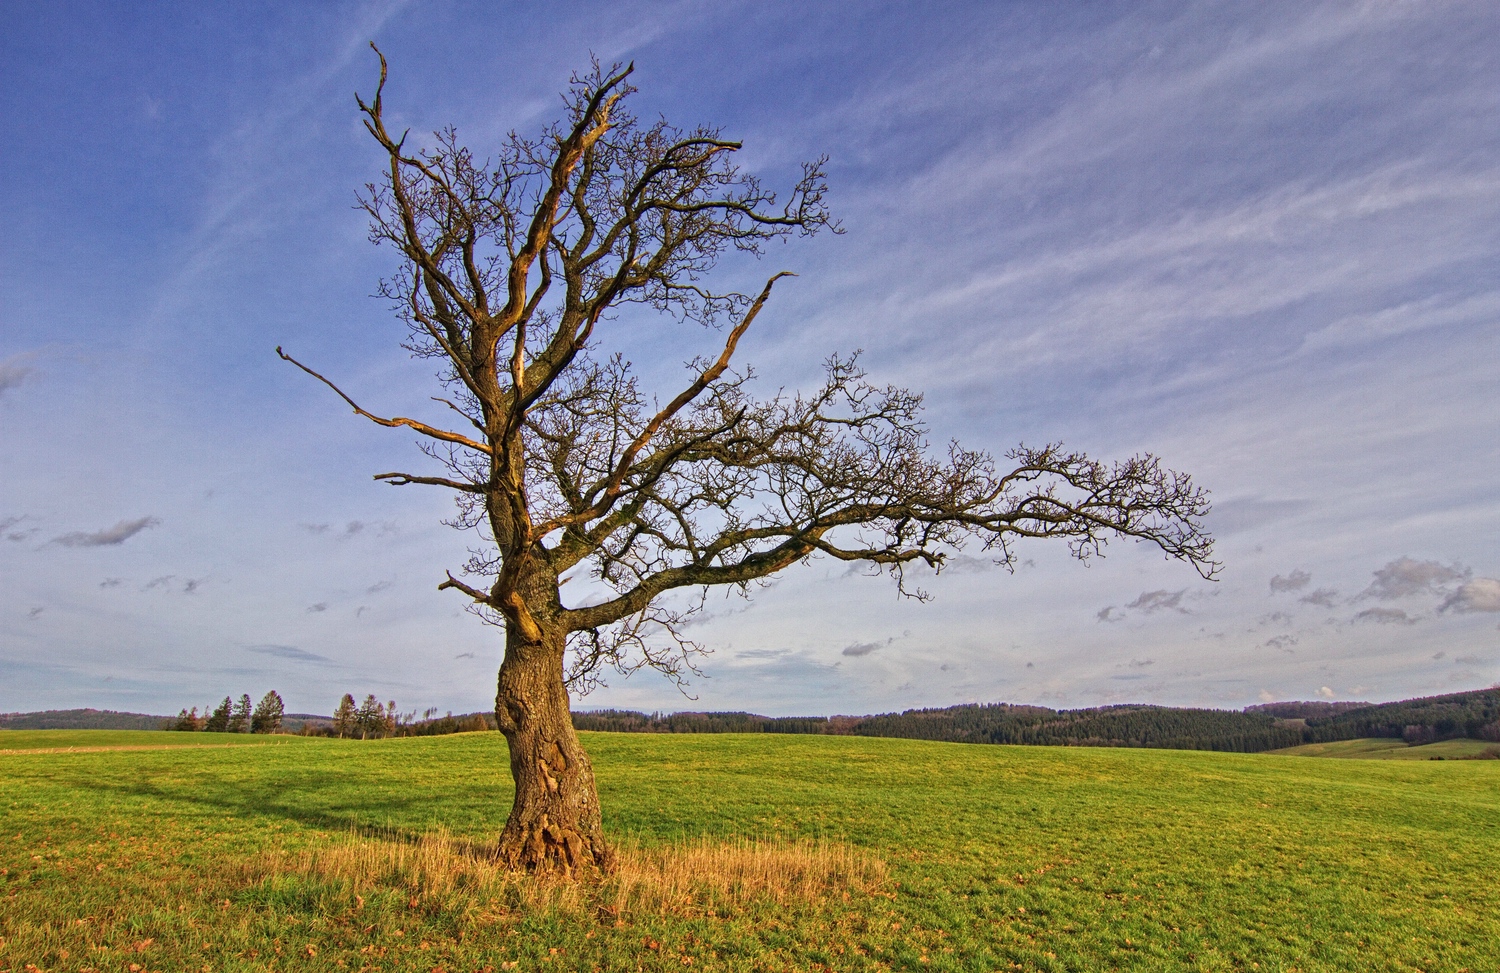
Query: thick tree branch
[402,479]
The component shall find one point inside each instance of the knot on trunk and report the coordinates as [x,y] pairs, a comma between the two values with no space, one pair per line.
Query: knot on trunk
[552,764]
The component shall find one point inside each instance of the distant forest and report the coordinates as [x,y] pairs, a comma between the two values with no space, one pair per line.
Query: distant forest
[1257,728]
[1270,726]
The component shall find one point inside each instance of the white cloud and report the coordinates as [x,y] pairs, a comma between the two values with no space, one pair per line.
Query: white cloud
[1479,595]
[1326,692]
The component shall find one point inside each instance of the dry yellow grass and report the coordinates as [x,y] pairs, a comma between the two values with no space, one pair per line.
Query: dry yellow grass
[677,879]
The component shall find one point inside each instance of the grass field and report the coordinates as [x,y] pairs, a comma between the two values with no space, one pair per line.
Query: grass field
[873,854]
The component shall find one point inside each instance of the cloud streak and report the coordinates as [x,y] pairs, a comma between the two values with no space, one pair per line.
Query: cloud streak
[291,653]
[109,536]
[1385,616]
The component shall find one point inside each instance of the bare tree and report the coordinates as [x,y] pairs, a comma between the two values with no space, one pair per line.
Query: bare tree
[511,269]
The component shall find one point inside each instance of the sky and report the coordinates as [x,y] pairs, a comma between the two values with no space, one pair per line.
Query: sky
[1261,241]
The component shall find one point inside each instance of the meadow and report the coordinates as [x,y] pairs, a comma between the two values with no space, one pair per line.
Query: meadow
[742,852]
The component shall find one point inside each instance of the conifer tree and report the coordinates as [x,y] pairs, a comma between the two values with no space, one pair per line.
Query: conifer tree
[268,713]
[218,721]
[239,719]
[370,720]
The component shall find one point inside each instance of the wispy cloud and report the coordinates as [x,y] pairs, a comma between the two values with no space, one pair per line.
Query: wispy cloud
[1161,600]
[865,648]
[1322,597]
[109,536]
[1295,581]
[353,528]
[1407,576]
[13,372]
[1385,616]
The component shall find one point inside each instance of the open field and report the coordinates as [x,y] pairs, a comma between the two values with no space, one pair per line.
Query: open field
[811,853]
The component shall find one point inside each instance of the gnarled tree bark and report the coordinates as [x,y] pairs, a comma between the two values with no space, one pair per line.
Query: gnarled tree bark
[555,822]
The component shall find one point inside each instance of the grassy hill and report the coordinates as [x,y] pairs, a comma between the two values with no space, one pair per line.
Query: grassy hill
[802,852]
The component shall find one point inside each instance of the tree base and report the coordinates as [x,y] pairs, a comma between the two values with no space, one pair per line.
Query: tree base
[545,846]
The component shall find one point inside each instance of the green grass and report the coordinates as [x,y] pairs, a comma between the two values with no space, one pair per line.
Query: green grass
[999,858]
[1382,748]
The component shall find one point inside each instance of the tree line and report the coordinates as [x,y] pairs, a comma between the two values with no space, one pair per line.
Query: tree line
[1252,730]
[374,720]
[1113,726]
[1270,726]
[234,717]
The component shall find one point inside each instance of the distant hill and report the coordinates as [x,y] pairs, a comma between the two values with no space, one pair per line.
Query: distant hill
[1475,715]
[82,719]
[108,719]
[1269,726]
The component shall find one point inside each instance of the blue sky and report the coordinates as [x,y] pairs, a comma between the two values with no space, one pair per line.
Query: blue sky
[1259,240]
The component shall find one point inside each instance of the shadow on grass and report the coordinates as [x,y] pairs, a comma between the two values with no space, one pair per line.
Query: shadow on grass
[374,816]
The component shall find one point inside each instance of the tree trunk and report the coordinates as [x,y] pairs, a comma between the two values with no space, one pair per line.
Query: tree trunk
[554,824]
